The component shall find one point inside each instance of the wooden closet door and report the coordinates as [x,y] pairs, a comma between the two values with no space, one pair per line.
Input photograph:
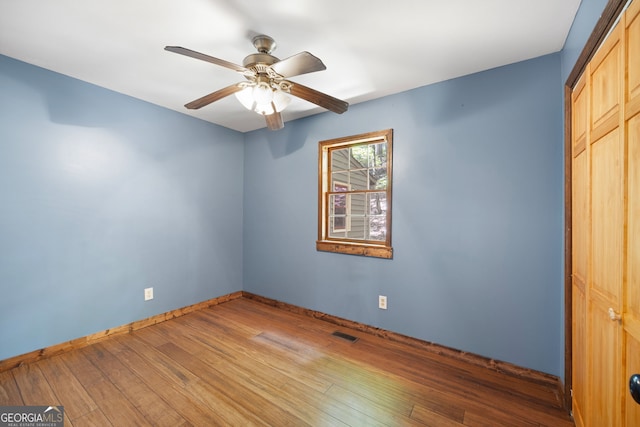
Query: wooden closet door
[598,224]
[632,286]
[607,173]
[606,230]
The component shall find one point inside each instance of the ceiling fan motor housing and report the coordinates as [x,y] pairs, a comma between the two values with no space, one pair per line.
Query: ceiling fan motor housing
[256,59]
[258,62]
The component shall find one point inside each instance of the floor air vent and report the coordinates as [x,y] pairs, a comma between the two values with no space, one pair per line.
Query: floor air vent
[344,336]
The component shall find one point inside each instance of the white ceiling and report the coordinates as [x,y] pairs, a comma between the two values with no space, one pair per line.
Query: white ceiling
[372,48]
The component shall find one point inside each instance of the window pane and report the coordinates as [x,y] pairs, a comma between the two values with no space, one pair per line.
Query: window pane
[377,203]
[336,232]
[357,229]
[378,228]
[360,156]
[359,179]
[378,154]
[337,204]
[357,204]
[340,181]
[379,178]
[340,159]
[337,215]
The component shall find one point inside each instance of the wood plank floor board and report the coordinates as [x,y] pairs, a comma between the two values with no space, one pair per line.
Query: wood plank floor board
[114,405]
[142,397]
[495,418]
[155,362]
[9,391]
[338,409]
[201,391]
[66,387]
[33,386]
[387,410]
[263,349]
[281,364]
[267,383]
[382,390]
[92,419]
[226,325]
[35,389]
[310,333]
[285,319]
[237,394]
[435,419]
[388,389]
[167,381]
[199,339]
[245,363]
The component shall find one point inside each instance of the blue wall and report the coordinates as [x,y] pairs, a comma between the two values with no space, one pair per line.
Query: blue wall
[477,216]
[102,195]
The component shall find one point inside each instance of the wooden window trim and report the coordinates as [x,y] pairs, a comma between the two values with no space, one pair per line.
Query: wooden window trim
[347,246]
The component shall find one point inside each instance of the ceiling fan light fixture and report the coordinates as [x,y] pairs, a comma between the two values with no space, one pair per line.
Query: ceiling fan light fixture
[262,93]
[263,99]
[245,96]
[264,109]
[280,100]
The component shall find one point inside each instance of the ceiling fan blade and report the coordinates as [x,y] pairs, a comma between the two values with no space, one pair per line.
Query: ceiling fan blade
[274,121]
[214,96]
[301,63]
[203,57]
[322,99]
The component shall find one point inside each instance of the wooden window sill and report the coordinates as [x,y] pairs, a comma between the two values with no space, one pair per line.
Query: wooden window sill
[362,249]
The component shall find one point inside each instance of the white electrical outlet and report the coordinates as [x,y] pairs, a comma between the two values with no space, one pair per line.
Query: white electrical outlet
[148,294]
[382,302]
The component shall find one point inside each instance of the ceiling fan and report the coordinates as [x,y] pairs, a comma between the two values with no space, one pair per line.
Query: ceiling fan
[267,88]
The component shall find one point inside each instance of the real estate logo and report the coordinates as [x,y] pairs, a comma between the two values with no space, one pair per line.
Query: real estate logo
[31,416]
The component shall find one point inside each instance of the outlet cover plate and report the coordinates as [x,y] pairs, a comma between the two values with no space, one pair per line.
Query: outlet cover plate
[382,302]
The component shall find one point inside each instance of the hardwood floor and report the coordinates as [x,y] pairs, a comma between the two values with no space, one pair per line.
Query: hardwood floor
[246,363]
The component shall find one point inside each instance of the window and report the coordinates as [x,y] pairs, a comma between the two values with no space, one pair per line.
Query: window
[354,194]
